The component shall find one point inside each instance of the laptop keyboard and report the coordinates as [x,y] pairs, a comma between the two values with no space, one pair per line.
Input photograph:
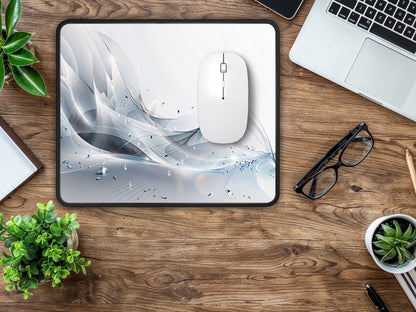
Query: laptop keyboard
[391,20]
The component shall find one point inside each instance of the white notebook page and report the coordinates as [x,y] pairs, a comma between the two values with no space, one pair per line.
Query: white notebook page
[15,167]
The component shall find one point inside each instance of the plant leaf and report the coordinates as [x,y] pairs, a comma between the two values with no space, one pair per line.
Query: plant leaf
[387,240]
[412,237]
[31,237]
[40,206]
[406,253]
[382,245]
[63,222]
[390,255]
[408,233]
[61,239]
[74,224]
[388,230]
[1,27]
[380,252]
[50,206]
[398,229]
[399,256]
[31,254]
[12,16]
[55,229]
[411,245]
[17,220]
[29,80]
[2,74]
[16,41]
[10,241]
[50,217]
[22,57]
[27,218]
[34,268]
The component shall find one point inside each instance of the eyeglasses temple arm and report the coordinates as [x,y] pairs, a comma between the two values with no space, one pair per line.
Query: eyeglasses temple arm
[328,156]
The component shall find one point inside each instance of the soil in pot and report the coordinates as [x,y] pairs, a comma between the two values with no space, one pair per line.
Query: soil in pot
[404,224]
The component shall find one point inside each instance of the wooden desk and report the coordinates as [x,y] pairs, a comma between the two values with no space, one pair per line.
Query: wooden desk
[299,255]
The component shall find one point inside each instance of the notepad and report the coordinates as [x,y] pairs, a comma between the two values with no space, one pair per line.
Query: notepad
[17,163]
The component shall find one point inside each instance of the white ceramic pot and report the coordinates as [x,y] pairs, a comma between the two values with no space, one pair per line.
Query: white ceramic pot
[404,267]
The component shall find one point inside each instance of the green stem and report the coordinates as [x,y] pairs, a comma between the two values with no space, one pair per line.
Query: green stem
[397,241]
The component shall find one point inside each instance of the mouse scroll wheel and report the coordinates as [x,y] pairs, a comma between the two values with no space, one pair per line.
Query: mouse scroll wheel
[223,68]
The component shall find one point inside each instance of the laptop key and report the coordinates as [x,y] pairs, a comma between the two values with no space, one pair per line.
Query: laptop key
[409,32]
[393,1]
[334,8]
[360,8]
[389,22]
[399,14]
[390,9]
[354,17]
[409,19]
[370,13]
[394,38]
[344,12]
[364,23]
[370,2]
[399,27]
[348,3]
[380,17]
[403,4]
[381,4]
[412,7]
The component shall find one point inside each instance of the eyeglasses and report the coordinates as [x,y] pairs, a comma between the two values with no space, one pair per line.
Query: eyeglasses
[354,148]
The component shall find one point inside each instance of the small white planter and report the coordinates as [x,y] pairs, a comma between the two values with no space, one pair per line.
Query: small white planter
[403,268]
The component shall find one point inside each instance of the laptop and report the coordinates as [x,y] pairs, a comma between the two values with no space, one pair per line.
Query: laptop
[366,46]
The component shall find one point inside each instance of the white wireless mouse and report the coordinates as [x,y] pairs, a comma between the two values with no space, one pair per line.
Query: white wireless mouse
[223,97]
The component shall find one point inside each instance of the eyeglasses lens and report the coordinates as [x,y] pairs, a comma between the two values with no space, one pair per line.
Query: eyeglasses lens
[320,184]
[357,149]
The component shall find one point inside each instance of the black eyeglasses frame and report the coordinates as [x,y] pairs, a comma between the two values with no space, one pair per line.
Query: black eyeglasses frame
[340,146]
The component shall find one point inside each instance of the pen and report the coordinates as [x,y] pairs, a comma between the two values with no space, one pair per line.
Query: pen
[411,165]
[375,299]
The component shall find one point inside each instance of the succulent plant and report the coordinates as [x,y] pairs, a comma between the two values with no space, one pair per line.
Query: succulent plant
[394,244]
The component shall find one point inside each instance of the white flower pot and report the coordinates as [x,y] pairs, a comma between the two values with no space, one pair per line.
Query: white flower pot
[404,267]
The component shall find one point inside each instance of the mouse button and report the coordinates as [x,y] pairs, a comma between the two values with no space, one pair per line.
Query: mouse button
[223,68]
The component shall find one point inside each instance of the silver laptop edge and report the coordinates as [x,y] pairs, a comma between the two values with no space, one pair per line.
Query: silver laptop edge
[357,60]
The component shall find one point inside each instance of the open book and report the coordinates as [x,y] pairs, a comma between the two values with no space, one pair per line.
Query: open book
[17,162]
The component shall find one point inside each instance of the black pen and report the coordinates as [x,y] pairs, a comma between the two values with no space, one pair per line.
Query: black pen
[375,299]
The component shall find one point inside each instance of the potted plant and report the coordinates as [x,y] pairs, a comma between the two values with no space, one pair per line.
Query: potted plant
[42,248]
[391,241]
[15,58]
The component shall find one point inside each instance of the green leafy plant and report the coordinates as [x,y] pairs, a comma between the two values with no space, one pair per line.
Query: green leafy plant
[13,55]
[38,249]
[395,246]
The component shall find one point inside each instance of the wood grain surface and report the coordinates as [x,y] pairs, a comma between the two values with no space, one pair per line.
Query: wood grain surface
[298,255]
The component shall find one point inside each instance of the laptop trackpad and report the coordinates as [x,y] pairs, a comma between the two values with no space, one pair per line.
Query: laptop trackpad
[382,73]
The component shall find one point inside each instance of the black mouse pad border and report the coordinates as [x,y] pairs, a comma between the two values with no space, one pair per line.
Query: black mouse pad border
[60,162]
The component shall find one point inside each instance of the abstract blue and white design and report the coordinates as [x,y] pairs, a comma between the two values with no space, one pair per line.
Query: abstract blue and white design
[121,142]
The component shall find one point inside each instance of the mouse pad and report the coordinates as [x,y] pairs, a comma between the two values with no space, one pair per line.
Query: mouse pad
[127,122]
